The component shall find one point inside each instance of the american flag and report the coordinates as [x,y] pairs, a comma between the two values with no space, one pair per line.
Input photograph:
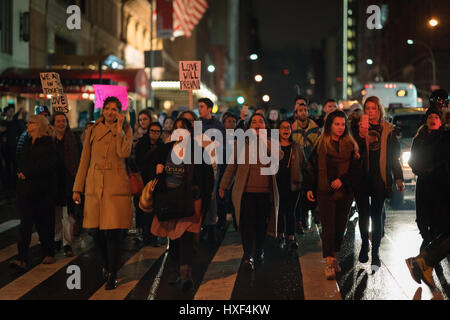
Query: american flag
[187,14]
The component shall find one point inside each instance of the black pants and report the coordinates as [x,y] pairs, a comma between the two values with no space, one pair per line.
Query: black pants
[181,250]
[302,208]
[143,219]
[254,215]
[425,203]
[437,250]
[42,215]
[108,245]
[11,167]
[373,210]
[286,212]
[333,217]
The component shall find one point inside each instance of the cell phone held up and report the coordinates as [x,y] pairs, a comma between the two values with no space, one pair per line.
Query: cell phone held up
[365,121]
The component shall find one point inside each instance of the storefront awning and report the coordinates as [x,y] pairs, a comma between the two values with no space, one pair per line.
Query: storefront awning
[15,80]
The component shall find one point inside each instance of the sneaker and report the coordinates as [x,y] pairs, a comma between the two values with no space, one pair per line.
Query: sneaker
[281,243]
[376,263]
[49,260]
[364,253]
[329,270]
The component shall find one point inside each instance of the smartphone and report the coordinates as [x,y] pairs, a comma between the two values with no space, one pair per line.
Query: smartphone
[365,121]
[245,109]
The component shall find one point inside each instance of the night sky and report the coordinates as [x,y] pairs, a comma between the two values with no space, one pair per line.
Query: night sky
[288,31]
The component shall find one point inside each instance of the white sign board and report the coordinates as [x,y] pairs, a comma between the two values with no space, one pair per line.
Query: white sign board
[51,85]
[190,72]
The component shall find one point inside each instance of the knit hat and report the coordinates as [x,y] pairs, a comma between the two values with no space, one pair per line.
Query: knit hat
[431,111]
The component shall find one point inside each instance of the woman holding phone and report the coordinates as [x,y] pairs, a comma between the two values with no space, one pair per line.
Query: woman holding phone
[103,179]
[330,178]
[380,154]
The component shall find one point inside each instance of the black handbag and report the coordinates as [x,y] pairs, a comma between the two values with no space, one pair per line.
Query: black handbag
[174,204]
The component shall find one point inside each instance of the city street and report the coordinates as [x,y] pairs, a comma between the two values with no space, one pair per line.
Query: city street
[217,274]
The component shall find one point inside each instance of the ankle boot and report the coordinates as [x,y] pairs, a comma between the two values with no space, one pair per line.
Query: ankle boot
[186,278]
[364,252]
[111,282]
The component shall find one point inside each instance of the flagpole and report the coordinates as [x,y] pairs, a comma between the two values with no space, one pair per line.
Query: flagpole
[152,57]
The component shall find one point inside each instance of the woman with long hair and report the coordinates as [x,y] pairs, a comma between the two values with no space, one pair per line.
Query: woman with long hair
[36,189]
[146,155]
[289,178]
[68,152]
[332,173]
[142,125]
[103,179]
[255,198]
[168,127]
[380,155]
[192,183]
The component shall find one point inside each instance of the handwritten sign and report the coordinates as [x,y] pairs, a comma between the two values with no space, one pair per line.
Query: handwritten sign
[51,85]
[190,75]
[103,91]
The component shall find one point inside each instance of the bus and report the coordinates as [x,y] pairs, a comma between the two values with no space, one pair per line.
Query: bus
[393,94]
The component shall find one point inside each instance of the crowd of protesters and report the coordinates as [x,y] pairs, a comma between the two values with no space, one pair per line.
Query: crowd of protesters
[326,163]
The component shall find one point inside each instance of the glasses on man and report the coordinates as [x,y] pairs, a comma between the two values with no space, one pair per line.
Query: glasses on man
[155,131]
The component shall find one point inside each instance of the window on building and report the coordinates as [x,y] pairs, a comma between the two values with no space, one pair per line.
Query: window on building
[64,47]
[6,26]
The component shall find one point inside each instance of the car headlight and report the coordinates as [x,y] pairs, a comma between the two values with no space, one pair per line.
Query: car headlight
[405,158]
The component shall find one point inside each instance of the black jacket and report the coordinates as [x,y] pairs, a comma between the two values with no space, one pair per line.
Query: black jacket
[202,175]
[393,167]
[38,163]
[146,157]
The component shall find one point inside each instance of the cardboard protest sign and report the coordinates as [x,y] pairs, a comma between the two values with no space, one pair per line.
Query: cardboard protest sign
[103,91]
[190,72]
[51,85]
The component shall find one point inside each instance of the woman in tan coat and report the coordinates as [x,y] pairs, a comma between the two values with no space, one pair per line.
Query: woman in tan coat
[103,179]
[255,200]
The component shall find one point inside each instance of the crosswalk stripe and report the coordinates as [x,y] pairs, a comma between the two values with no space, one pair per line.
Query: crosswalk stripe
[219,279]
[11,251]
[315,286]
[31,279]
[5,226]
[135,268]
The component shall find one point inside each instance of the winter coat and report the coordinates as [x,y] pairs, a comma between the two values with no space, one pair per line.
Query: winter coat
[38,166]
[240,173]
[200,182]
[146,157]
[103,178]
[305,137]
[390,167]
[326,166]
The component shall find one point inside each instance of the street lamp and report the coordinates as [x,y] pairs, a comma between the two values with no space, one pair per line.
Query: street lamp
[211,68]
[258,78]
[369,61]
[433,61]
[266,98]
[253,56]
[433,22]
[240,100]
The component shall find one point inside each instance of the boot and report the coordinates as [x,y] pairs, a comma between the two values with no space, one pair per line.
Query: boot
[111,282]
[376,263]
[364,252]
[186,278]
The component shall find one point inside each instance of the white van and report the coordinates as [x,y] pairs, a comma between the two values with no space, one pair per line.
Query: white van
[392,94]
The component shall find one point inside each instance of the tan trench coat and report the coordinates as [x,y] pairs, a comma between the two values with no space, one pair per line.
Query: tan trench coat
[240,173]
[103,178]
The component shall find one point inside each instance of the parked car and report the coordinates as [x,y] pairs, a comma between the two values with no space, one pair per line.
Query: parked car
[406,124]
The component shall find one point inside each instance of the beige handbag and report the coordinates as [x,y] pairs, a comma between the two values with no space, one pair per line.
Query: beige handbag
[146,198]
